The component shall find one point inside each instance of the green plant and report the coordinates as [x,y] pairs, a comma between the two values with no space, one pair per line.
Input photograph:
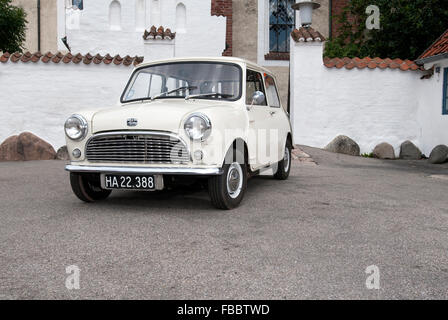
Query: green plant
[408,27]
[12,27]
[367,155]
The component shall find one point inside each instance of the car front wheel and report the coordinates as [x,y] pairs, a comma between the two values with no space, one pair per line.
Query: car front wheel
[227,190]
[87,187]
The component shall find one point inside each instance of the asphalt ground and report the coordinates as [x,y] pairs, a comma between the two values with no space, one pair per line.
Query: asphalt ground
[312,236]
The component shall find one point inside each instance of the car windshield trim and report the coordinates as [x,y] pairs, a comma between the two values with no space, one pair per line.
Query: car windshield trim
[130,81]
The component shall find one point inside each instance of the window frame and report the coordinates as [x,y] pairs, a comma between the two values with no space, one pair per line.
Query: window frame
[445,92]
[264,57]
[276,91]
[130,80]
[264,89]
[276,54]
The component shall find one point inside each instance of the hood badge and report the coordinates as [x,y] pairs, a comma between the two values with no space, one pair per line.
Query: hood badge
[132,122]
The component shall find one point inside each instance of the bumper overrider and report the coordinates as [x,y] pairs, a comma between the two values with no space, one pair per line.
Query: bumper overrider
[144,170]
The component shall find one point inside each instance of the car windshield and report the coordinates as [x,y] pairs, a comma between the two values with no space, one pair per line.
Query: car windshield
[198,80]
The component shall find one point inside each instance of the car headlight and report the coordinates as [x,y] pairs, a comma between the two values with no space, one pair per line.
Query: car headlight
[76,127]
[198,126]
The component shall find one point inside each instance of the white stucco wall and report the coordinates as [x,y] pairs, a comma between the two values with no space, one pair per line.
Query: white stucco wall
[38,97]
[369,105]
[434,125]
[199,34]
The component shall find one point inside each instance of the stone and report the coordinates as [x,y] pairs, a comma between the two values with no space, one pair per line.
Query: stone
[408,151]
[343,144]
[384,151]
[26,146]
[62,153]
[439,154]
[9,150]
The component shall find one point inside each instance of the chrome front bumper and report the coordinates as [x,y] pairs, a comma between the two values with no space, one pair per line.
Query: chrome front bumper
[153,170]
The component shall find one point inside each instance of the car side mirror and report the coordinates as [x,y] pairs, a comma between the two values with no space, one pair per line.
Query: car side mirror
[258,98]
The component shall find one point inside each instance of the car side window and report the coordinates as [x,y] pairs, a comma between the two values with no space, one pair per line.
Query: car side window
[140,87]
[254,82]
[272,92]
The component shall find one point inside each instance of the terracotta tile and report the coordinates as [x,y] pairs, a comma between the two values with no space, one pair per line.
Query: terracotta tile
[439,46]
[5,57]
[158,33]
[69,57]
[404,67]
[306,35]
[350,65]
[361,65]
[97,59]
[26,57]
[372,65]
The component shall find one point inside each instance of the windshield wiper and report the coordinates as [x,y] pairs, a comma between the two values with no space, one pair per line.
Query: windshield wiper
[173,91]
[210,94]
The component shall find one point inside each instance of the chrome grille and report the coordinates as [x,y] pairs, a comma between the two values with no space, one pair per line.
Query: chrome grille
[138,148]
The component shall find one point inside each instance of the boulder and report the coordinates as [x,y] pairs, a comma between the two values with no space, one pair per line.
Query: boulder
[62,153]
[408,151]
[384,151]
[439,154]
[9,150]
[26,146]
[343,144]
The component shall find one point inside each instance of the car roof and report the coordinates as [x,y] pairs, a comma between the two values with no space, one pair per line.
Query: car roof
[248,63]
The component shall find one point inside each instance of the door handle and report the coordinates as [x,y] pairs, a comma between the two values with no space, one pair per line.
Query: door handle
[272,113]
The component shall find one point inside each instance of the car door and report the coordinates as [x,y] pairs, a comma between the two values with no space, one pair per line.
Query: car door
[277,119]
[259,122]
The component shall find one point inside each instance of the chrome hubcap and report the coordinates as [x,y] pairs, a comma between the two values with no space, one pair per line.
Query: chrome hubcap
[287,159]
[234,180]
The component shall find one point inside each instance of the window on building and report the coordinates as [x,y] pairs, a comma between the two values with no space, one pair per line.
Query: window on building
[181,18]
[78,4]
[281,23]
[115,15]
[445,91]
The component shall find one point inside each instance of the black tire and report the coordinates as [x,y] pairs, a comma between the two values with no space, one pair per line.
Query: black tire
[284,166]
[221,196]
[88,187]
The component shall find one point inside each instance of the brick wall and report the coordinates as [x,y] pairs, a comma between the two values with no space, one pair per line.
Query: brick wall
[224,8]
[336,8]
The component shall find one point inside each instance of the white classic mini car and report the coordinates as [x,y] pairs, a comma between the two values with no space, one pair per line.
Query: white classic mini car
[215,120]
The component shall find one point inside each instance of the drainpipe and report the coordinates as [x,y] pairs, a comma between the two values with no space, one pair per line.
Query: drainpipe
[330,20]
[38,25]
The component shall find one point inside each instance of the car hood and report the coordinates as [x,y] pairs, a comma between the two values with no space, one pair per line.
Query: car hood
[159,115]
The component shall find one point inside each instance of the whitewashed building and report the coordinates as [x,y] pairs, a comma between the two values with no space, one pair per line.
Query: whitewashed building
[118,27]
[371,100]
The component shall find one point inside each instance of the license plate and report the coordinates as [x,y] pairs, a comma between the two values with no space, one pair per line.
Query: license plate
[131,182]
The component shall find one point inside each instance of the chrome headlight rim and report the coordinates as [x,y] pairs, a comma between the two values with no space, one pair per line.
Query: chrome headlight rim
[83,127]
[207,132]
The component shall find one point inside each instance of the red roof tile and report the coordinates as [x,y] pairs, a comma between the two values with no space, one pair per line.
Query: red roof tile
[306,35]
[159,34]
[370,63]
[440,46]
[69,58]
